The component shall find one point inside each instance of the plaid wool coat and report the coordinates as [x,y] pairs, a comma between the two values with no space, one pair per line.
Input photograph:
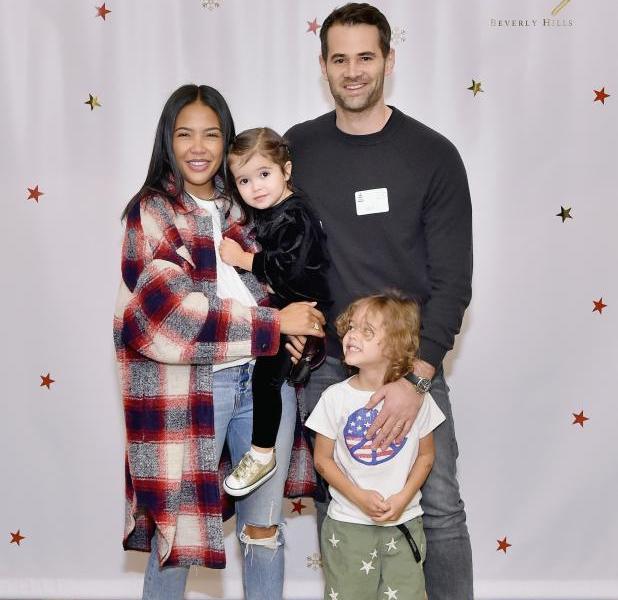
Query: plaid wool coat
[169,328]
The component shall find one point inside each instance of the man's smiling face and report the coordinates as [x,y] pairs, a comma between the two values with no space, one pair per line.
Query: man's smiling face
[355,67]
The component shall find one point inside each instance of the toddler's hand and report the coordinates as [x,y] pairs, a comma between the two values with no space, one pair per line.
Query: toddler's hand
[371,503]
[231,252]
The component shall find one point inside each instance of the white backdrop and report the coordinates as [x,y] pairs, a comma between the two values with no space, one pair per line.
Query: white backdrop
[532,351]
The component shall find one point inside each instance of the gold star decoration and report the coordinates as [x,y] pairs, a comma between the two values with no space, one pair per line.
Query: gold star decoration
[92,101]
[565,213]
[503,545]
[313,26]
[298,506]
[601,95]
[559,7]
[599,305]
[16,538]
[102,11]
[46,381]
[34,193]
[579,418]
[475,88]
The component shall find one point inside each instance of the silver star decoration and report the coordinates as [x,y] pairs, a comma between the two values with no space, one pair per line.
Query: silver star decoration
[367,566]
[398,35]
[392,545]
[392,594]
[333,540]
[374,554]
[335,595]
[314,561]
[211,4]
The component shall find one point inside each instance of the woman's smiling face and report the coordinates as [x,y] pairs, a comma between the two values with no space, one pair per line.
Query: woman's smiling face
[198,148]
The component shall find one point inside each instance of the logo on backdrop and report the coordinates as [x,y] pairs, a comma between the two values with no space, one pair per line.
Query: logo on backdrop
[557,17]
[355,435]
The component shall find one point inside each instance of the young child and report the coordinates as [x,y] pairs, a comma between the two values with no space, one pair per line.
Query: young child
[293,264]
[373,545]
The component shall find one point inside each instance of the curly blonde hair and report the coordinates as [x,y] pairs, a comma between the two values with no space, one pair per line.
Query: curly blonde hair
[401,320]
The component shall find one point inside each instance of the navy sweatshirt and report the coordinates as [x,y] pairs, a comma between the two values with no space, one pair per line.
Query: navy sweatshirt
[422,245]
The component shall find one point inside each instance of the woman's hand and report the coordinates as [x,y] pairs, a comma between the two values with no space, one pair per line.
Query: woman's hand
[231,253]
[302,318]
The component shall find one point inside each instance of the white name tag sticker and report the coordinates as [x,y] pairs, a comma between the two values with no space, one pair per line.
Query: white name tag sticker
[370,202]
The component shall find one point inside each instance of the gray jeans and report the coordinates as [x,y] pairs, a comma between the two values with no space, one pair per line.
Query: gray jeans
[448,566]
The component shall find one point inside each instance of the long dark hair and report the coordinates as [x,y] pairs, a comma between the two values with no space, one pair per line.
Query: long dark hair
[163,167]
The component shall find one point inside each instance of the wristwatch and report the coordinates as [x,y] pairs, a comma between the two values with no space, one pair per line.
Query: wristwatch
[422,384]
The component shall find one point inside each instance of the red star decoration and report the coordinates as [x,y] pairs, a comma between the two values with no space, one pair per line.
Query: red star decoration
[46,381]
[34,193]
[503,545]
[102,11]
[601,95]
[598,305]
[298,506]
[313,26]
[579,419]
[16,538]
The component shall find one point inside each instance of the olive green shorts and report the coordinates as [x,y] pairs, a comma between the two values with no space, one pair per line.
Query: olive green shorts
[369,561]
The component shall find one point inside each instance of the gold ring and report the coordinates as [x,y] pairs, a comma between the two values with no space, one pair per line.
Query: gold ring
[316,326]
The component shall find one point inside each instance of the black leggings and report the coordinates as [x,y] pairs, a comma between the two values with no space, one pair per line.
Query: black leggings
[269,374]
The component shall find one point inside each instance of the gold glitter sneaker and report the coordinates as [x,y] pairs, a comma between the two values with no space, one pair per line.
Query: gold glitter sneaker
[248,475]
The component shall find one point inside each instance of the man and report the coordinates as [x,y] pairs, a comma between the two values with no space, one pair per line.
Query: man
[393,198]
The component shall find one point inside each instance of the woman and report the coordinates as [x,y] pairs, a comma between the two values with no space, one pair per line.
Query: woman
[186,327]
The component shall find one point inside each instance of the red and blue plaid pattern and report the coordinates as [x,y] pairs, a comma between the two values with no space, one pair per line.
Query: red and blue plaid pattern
[169,328]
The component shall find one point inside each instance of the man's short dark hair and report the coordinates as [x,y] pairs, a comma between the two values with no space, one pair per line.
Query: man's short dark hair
[357,13]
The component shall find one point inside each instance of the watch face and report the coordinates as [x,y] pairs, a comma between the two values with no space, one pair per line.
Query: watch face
[423,384]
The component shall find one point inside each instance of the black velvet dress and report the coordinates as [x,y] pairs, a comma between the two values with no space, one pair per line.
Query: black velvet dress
[293,262]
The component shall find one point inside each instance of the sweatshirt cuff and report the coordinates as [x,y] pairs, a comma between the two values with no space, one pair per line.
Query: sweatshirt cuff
[265,328]
[431,352]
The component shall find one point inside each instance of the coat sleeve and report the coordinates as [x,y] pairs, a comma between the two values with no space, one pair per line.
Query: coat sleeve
[167,319]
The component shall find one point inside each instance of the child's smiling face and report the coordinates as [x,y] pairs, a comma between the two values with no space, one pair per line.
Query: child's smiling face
[261,182]
[363,342]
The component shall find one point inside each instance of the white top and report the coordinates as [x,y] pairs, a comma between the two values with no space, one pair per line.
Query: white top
[229,283]
[340,416]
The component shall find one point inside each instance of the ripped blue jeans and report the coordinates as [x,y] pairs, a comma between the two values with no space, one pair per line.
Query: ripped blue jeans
[263,560]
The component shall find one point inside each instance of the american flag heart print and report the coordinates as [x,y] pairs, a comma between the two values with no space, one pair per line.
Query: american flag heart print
[355,432]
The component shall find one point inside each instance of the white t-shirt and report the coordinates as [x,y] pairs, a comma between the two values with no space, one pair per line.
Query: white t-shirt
[229,283]
[340,416]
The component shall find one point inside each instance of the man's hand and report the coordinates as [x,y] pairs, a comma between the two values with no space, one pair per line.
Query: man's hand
[394,421]
[370,502]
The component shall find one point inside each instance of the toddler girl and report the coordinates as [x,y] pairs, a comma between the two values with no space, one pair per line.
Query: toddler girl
[293,264]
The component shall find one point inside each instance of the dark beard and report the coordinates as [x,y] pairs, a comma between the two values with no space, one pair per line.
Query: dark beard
[371,100]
